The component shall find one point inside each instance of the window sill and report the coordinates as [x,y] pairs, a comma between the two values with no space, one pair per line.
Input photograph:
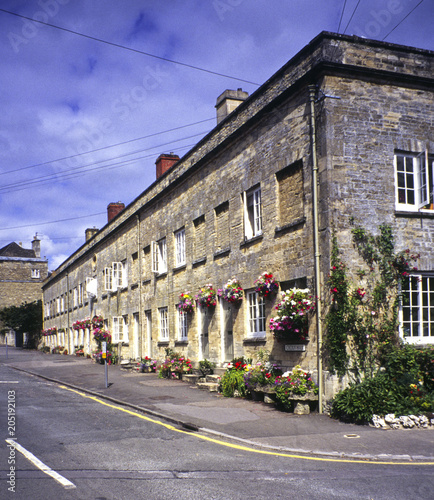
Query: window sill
[134,286]
[104,296]
[181,342]
[291,225]
[419,214]
[222,253]
[146,282]
[254,340]
[199,262]
[162,343]
[179,268]
[251,241]
[161,275]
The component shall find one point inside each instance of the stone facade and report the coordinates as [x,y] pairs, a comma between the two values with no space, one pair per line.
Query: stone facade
[22,272]
[373,100]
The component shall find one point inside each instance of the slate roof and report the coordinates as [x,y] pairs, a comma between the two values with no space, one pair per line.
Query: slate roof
[14,250]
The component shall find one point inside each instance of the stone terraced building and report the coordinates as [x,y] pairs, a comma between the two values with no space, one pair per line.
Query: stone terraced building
[22,272]
[345,128]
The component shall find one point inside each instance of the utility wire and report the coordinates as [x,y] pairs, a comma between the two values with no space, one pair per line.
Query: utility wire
[64,173]
[352,15]
[52,222]
[107,147]
[342,15]
[130,48]
[402,20]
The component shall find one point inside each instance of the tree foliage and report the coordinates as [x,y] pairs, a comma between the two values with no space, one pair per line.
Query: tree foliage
[26,318]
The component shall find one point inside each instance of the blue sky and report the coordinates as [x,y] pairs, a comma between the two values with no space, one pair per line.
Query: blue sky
[83,121]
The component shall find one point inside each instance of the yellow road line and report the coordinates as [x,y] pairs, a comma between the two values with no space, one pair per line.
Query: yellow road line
[237,446]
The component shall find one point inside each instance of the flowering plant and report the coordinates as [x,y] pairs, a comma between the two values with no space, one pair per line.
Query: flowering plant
[292,314]
[50,331]
[266,284]
[186,302]
[175,364]
[97,322]
[232,291]
[100,335]
[261,374]
[81,325]
[297,383]
[147,363]
[206,296]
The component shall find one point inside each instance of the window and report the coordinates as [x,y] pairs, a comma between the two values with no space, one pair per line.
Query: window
[199,249]
[62,303]
[180,247]
[36,273]
[118,333]
[80,293]
[159,256]
[417,309]
[252,213]
[116,276]
[164,324]
[58,305]
[414,181]
[75,297]
[182,325]
[256,315]
[120,329]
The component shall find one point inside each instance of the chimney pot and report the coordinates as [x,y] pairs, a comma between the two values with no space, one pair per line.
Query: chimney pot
[90,232]
[36,246]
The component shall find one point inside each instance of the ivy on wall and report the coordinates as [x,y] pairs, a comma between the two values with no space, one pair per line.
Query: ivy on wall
[362,321]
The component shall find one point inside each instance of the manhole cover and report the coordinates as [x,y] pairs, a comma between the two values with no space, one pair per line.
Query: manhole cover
[351,436]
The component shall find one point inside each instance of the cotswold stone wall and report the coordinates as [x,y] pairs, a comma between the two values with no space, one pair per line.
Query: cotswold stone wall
[16,283]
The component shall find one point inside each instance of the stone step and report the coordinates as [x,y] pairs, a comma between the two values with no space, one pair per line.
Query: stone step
[208,386]
[213,379]
[192,379]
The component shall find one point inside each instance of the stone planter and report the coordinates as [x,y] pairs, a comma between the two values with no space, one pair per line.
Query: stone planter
[303,405]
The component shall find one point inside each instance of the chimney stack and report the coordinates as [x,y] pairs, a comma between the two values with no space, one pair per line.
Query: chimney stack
[90,232]
[36,246]
[164,162]
[228,101]
[113,209]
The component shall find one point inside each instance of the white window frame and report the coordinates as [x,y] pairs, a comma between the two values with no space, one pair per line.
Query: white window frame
[252,213]
[164,323]
[108,279]
[118,328]
[36,273]
[182,324]
[180,247]
[75,296]
[414,181]
[159,256]
[256,315]
[416,312]
[125,325]
[62,303]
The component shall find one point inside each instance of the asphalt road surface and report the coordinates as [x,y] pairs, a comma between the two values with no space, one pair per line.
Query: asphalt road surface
[72,445]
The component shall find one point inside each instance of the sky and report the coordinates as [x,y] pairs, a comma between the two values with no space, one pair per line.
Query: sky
[88,103]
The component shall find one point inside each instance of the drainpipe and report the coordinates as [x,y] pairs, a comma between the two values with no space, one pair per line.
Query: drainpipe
[139,256]
[312,95]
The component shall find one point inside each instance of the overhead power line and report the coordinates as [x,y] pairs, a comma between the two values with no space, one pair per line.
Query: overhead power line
[107,147]
[402,20]
[52,222]
[197,68]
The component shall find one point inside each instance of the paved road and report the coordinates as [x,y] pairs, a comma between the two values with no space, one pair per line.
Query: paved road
[105,451]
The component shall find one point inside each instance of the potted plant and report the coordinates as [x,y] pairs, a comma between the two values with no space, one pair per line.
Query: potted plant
[293,387]
[186,302]
[291,321]
[232,291]
[206,296]
[266,284]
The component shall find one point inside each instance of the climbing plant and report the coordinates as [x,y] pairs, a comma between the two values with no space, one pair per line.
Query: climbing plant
[362,321]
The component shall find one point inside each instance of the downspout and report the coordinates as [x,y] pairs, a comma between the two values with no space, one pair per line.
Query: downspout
[68,330]
[139,256]
[312,94]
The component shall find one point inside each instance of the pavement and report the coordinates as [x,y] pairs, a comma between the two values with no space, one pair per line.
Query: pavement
[247,422]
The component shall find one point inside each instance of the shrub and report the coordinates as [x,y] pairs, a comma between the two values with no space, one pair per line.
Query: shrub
[206,367]
[233,378]
[403,386]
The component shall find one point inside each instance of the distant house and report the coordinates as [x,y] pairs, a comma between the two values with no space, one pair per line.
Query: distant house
[242,202]
[22,271]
